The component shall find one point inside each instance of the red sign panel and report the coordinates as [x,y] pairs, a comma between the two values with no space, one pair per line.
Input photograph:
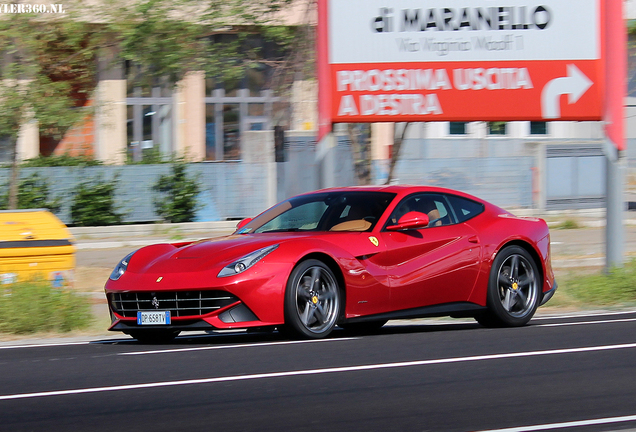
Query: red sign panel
[490,91]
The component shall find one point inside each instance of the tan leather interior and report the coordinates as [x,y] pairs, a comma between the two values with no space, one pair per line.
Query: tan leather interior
[434,214]
[352,225]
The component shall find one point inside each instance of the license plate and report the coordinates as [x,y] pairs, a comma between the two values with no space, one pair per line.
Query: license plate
[153,318]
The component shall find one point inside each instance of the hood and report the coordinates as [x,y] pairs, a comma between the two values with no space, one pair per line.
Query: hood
[221,247]
[212,254]
[201,255]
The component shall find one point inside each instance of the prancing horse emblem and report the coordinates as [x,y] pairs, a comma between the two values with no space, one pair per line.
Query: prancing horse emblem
[155,302]
[374,241]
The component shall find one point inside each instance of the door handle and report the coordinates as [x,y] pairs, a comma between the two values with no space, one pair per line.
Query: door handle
[473,239]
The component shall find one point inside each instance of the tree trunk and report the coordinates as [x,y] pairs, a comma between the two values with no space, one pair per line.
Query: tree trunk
[14,177]
[398,139]
[360,137]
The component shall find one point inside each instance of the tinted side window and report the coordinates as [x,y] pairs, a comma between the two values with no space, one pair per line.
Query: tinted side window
[464,208]
[433,205]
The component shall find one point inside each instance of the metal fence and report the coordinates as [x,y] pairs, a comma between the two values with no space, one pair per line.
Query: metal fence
[500,171]
[229,190]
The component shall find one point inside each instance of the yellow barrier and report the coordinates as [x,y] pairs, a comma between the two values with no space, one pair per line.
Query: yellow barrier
[35,244]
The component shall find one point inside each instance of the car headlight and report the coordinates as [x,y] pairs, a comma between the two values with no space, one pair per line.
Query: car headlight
[239,266]
[120,268]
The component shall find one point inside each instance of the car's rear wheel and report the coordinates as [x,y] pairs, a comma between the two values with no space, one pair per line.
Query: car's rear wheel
[154,336]
[513,289]
[312,300]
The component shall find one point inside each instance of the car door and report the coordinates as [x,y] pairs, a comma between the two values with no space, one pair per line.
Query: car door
[432,265]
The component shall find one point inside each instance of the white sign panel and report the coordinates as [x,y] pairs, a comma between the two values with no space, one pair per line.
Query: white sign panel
[462,30]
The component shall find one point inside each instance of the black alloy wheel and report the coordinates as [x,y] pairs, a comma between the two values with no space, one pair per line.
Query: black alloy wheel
[513,289]
[312,300]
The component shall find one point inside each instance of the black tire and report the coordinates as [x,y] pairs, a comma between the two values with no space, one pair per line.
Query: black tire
[513,289]
[312,300]
[368,327]
[154,336]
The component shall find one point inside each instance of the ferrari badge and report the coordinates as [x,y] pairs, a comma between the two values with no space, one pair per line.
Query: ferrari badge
[374,240]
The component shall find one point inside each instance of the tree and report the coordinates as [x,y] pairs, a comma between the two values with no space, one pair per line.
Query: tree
[46,78]
[398,140]
[166,39]
[360,137]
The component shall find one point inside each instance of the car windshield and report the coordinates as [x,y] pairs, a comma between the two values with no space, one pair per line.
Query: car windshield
[328,211]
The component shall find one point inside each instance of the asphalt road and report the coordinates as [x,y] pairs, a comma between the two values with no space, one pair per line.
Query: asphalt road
[413,376]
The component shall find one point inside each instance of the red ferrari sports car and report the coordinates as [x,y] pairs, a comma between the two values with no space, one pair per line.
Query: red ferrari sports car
[351,257]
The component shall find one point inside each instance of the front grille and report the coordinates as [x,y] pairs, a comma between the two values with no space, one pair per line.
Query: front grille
[179,303]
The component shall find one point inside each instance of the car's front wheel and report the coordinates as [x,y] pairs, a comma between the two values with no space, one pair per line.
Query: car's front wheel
[312,300]
[513,289]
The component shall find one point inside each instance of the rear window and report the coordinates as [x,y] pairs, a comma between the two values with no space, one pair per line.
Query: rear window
[465,208]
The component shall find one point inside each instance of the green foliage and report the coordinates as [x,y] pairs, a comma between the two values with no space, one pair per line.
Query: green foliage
[47,76]
[631,28]
[29,307]
[151,156]
[618,286]
[165,39]
[57,55]
[177,195]
[161,37]
[33,193]
[94,203]
[568,224]
[62,160]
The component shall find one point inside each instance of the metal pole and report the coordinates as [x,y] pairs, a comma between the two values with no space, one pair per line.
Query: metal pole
[614,235]
[614,117]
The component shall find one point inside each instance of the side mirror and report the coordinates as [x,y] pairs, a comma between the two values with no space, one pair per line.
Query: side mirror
[242,223]
[411,220]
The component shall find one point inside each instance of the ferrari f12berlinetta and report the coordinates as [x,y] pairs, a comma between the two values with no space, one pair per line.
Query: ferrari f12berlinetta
[350,257]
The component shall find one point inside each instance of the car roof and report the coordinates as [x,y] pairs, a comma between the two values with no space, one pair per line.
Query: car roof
[400,190]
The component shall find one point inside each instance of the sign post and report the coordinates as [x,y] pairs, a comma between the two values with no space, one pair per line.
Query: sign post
[615,77]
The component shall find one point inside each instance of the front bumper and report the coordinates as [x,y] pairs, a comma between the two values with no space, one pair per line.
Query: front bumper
[126,327]
[234,316]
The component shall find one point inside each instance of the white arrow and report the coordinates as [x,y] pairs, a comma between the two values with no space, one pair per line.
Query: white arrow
[574,85]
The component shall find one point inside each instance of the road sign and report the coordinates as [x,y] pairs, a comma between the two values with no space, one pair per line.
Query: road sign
[461,60]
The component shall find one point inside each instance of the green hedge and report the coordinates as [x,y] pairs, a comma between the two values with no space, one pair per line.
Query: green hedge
[616,287]
[30,307]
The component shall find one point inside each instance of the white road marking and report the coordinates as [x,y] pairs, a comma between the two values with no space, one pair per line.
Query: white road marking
[564,425]
[592,314]
[316,371]
[58,344]
[249,345]
[44,345]
[586,322]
